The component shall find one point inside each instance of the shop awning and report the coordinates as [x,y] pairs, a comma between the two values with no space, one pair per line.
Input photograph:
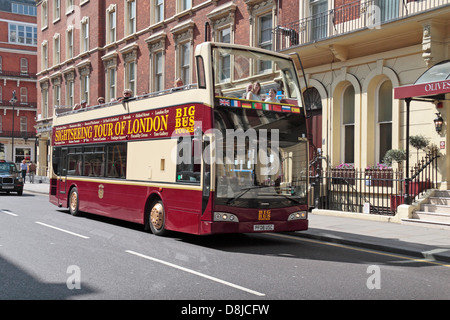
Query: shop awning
[433,84]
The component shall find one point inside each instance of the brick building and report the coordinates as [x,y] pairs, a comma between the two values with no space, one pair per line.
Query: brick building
[18,57]
[90,49]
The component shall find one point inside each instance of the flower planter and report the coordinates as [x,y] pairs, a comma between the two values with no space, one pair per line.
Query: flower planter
[343,176]
[379,178]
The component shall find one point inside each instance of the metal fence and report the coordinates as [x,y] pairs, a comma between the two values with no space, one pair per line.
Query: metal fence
[372,190]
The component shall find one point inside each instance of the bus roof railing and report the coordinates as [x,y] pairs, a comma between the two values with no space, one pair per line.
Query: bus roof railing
[66,110]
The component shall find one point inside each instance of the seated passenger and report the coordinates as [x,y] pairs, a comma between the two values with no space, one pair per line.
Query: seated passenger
[178,85]
[127,96]
[255,94]
[271,97]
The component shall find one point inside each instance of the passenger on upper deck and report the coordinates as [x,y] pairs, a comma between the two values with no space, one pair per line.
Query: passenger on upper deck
[255,94]
[101,100]
[127,96]
[178,85]
[271,97]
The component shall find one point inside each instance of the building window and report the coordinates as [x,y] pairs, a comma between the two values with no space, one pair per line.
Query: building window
[57,95]
[44,55]
[130,76]
[224,35]
[1,64]
[265,39]
[183,5]
[85,34]
[23,124]
[44,103]
[159,10]
[384,119]
[23,9]
[185,63]
[319,19]
[56,49]
[111,81]
[85,88]
[56,10]
[44,15]
[69,45]
[130,10]
[24,65]
[111,24]
[23,95]
[22,34]
[70,85]
[159,69]
[69,7]
[348,124]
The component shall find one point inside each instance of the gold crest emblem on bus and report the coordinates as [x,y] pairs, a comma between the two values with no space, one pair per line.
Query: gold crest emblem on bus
[101,191]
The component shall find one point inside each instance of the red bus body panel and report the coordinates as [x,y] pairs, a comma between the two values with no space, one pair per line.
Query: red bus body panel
[183,207]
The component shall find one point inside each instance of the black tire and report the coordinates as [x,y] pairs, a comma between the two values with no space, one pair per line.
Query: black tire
[157,218]
[74,202]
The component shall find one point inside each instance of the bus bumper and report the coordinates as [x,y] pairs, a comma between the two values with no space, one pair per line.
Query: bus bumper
[208,227]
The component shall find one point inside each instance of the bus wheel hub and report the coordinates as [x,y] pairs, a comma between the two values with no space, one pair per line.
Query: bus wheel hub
[157,216]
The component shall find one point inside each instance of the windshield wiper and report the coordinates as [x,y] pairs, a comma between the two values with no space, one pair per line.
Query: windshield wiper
[287,197]
[244,191]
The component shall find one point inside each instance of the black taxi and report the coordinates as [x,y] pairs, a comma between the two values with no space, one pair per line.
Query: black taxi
[10,178]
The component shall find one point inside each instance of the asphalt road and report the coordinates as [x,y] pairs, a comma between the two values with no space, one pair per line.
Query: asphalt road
[45,253]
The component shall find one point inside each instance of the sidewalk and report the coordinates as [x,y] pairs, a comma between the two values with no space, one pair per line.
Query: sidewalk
[416,241]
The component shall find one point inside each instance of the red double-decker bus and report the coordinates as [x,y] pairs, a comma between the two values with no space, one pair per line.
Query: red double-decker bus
[199,159]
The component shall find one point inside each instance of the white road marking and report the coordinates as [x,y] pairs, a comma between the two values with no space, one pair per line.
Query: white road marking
[59,229]
[197,273]
[9,212]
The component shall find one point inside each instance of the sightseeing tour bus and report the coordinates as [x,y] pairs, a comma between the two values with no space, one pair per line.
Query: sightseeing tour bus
[200,159]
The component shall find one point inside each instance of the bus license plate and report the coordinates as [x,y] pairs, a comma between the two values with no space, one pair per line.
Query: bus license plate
[263,227]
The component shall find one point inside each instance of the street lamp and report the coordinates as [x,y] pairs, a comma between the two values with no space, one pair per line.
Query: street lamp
[13,101]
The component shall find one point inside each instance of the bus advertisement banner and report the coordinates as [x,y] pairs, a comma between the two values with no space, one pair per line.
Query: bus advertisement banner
[149,124]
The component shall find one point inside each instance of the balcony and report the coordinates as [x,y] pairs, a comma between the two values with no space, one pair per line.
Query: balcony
[17,74]
[29,104]
[348,18]
[18,134]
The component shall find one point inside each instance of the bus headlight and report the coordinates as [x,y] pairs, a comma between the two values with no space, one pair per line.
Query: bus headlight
[225,217]
[300,215]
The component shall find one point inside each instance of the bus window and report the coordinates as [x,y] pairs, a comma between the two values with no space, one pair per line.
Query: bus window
[117,161]
[201,73]
[188,164]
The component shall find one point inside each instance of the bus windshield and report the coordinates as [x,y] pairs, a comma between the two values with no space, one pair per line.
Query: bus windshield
[234,69]
[265,158]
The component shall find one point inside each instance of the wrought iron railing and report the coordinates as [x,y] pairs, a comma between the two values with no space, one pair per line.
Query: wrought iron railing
[373,190]
[351,17]
[17,134]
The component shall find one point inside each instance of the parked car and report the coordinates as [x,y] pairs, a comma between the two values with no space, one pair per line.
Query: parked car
[10,178]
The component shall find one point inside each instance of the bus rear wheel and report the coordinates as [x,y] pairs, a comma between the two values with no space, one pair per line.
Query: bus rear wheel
[74,202]
[157,219]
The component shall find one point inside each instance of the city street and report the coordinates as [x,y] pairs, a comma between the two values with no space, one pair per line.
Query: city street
[45,253]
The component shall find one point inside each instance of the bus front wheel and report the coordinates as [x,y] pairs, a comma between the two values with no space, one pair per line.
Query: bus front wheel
[74,202]
[157,219]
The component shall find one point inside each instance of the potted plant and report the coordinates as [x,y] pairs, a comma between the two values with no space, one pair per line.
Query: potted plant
[395,155]
[419,142]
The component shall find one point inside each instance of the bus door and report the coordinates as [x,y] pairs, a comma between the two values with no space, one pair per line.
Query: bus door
[62,176]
